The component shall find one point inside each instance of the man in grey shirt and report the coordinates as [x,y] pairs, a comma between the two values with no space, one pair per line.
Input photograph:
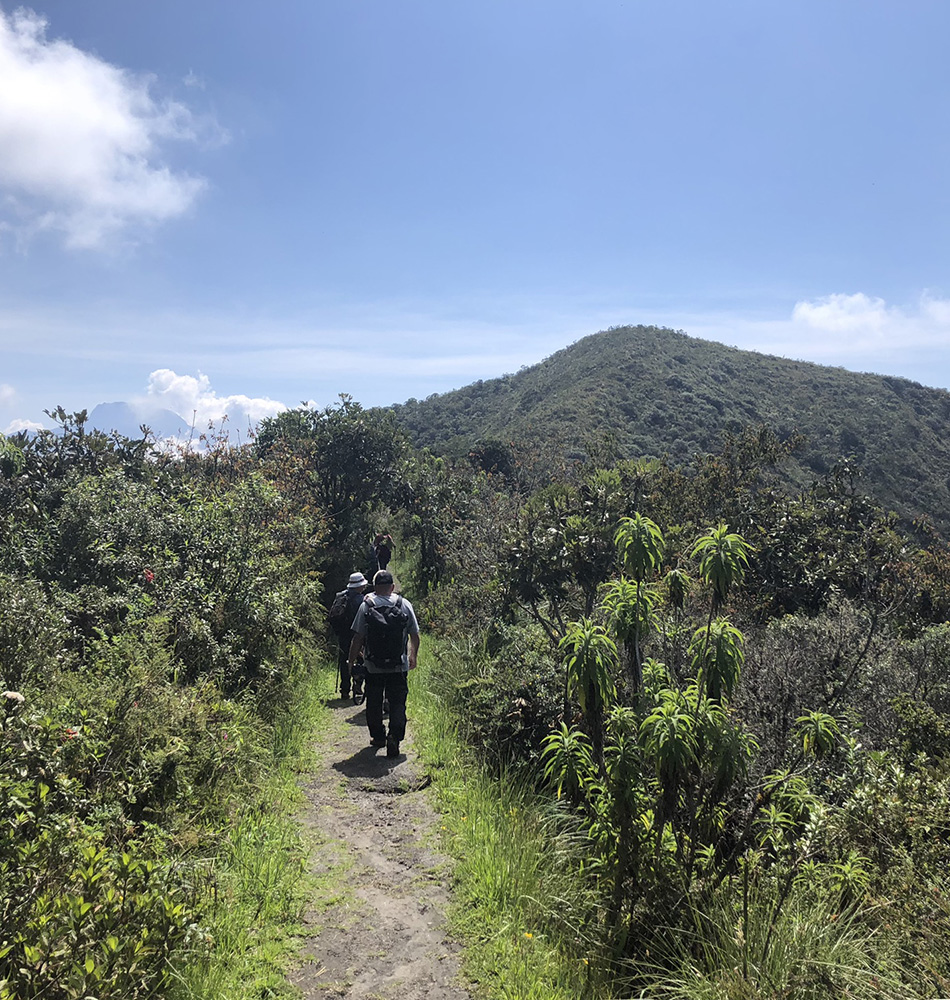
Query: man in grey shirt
[387,676]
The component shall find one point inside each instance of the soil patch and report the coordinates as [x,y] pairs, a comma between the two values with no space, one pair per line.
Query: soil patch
[384,936]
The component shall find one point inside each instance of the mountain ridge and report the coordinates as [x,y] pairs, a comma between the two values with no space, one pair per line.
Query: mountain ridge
[662,393]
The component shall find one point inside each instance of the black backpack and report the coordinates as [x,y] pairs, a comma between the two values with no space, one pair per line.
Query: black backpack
[340,622]
[385,634]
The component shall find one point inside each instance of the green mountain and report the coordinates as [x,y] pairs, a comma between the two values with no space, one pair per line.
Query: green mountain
[663,393]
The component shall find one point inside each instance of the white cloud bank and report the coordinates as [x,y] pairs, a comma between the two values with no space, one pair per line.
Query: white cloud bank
[858,331]
[195,400]
[80,140]
[870,326]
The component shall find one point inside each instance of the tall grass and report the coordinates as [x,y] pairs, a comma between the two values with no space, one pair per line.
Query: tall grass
[260,873]
[752,950]
[522,903]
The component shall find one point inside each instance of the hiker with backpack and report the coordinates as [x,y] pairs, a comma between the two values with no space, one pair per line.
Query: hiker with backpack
[342,612]
[387,633]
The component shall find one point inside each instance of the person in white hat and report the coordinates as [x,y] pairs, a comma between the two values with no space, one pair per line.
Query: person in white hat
[342,612]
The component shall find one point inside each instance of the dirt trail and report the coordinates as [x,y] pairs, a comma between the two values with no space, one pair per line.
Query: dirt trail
[385,939]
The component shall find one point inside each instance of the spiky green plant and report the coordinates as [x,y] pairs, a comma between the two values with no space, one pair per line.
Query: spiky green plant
[640,546]
[717,655]
[818,732]
[567,760]
[590,660]
[723,560]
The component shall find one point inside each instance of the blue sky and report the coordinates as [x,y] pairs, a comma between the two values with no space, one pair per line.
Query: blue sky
[224,206]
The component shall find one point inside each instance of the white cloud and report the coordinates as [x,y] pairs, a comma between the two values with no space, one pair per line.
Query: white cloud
[864,327]
[194,399]
[81,138]
[22,425]
[7,394]
[858,331]
[845,314]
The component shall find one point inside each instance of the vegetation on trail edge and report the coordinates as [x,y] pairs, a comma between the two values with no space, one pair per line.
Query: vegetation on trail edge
[691,727]
[517,902]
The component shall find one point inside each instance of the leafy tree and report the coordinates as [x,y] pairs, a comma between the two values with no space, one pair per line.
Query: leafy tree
[343,462]
[818,733]
[717,657]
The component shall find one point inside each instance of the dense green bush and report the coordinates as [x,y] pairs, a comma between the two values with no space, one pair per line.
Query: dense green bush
[152,610]
[505,703]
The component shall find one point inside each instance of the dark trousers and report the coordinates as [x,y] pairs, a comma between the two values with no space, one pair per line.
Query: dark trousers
[342,660]
[394,687]
[346,676]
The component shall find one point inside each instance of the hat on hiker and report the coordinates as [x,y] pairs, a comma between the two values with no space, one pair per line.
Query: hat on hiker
[383,578]
[356,580]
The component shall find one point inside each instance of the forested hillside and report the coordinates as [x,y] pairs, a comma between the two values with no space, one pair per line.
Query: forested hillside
[661,393]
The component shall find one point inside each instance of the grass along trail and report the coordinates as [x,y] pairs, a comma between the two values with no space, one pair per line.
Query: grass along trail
[377,928]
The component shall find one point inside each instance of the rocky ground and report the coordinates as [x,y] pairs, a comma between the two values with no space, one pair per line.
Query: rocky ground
[383,934]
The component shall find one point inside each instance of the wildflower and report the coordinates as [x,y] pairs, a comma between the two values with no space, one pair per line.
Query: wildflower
[149,575]
[528,935]
[70,733]
[14,697]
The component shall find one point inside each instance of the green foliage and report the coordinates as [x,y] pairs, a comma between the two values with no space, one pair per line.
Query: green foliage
[760,942]
[717,655]
[640,546]
[91,901]
[32,634]
[342,461]
[590,656]
[724,558]
[818,733]
[567,760]
[522,894]
[150,609]
[660,393]
[503,705]
[628,608]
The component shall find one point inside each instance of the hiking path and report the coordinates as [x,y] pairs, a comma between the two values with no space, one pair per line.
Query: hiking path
[377,927]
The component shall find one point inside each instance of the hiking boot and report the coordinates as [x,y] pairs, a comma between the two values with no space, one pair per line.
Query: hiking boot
[378,741]
[358,698]
[392,748]
[345,694]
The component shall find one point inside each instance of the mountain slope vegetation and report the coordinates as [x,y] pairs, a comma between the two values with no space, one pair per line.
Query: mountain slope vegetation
[660,393]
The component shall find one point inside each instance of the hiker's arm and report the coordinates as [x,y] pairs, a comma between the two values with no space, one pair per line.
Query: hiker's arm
[413,650]
[355,646]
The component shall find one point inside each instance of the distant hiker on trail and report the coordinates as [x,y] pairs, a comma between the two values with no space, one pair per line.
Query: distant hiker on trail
[384,550]
[342,612]
[372,557]
[387,632]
